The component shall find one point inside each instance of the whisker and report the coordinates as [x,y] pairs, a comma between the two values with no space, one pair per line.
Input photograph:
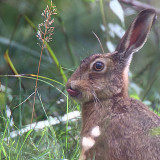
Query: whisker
[96,98]
[99,42]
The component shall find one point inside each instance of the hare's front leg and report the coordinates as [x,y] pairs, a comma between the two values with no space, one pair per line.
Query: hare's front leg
[92,145]
[87,145]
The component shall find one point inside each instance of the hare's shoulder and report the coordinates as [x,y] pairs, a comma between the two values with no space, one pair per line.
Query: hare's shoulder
[133,116]
[138,116]
[142,111]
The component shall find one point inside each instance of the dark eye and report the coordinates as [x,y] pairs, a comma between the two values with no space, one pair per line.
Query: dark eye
[98,66]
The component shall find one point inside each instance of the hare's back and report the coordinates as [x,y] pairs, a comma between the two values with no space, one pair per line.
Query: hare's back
[134,134]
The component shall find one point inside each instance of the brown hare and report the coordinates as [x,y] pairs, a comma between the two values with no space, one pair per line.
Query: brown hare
[115,126]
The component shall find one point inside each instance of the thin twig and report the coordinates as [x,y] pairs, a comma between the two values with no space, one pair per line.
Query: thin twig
[37,81]
[140,5]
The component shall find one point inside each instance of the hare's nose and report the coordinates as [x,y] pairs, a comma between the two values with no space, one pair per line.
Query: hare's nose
[72,92]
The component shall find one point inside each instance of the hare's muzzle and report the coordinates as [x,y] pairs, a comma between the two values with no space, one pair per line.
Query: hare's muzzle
[72,92]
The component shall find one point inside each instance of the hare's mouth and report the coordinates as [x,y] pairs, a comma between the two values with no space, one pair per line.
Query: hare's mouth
[72,92]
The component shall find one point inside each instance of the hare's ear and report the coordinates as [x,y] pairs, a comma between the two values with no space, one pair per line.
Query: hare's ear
[137,33]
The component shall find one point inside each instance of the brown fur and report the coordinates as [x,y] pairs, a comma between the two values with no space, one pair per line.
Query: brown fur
[124,125]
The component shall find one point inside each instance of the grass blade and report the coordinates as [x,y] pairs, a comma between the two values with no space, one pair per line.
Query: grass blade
[52,54]
[30,22]
[24,143]
[8,60]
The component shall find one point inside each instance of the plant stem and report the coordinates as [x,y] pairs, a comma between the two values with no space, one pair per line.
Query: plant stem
[101,3]
[68,45]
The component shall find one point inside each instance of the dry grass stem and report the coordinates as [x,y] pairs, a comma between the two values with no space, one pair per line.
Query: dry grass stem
[44,33]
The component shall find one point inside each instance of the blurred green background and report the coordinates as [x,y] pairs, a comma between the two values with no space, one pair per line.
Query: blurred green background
[73,40]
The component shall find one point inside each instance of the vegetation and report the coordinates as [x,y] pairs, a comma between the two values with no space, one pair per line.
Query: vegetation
[36,60]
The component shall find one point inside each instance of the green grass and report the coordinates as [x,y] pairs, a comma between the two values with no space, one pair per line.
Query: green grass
[72,39]
[55,142]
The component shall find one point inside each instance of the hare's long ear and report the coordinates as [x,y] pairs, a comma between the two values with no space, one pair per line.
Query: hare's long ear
[137,33]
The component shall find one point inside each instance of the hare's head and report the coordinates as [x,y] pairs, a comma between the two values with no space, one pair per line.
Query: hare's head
[103,76]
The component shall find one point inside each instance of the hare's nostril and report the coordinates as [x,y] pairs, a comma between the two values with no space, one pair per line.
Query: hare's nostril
[72,92]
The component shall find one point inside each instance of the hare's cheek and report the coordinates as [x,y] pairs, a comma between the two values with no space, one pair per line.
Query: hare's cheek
[85,93]
[87,96]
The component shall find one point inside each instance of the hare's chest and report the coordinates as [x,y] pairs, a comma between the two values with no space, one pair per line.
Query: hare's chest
[92,146]
[94,142]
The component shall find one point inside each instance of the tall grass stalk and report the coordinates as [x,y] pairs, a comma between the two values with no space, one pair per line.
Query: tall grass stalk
[51,52]
[67,126]
[20,106]
[67,41]
[101,3]
[29,132]
[44,33]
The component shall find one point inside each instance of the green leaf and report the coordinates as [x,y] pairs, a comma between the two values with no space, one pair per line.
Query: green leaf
[8,60]
[56,62]
[2,100]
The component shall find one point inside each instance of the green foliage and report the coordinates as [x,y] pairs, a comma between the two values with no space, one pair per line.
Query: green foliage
[72,41]
[155,131]
[2,100]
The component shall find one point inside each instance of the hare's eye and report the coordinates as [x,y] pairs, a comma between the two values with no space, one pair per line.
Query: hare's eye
[98,66]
